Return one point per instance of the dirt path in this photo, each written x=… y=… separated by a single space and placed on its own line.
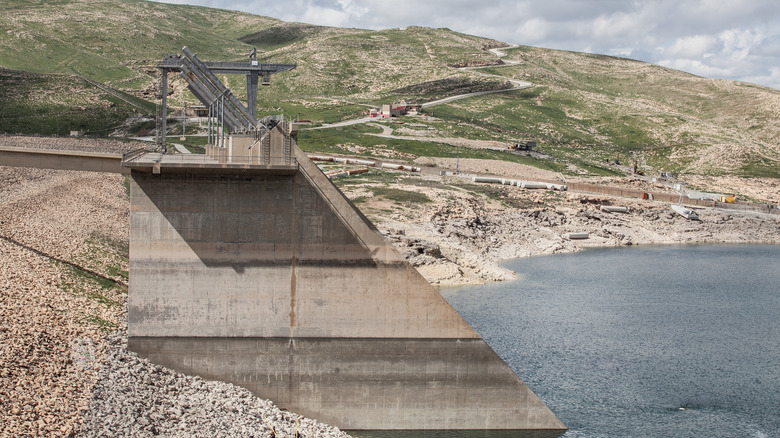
x=500 y=53
x=518 y=85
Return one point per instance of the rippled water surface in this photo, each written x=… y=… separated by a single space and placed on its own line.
x=657 y=341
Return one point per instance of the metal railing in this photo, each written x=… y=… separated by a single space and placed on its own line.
x=216 y=159
x=132 y=155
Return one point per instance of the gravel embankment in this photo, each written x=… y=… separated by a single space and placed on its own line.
x=50 y=306
x=136 y=398
x=100 y=145
x=63 y=286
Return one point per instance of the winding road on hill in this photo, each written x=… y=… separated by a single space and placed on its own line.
x=518 y=85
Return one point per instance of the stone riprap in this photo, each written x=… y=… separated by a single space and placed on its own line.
x=60 y=231
x=136 y=398
x=94 y=145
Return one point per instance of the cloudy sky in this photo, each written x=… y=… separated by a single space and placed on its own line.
x=728 y=39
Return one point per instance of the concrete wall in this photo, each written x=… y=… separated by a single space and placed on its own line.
x=62 y=160
x=227 y=250
x=359 y=383
x=277 y=283
x=238 y=148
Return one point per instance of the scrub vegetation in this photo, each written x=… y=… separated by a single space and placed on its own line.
x=583 y=110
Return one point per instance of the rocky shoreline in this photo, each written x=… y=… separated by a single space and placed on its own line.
x=462 y=236
x=456 y=249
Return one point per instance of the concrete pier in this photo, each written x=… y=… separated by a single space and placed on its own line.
x=269 y=278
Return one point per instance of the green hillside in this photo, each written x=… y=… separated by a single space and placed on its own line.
x=35 y=103
x=584 y=110
x=107 y=40
x=601 y=108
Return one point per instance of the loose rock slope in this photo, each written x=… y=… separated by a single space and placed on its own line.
x=137 y=398
x=64 y=366
x=53 y=309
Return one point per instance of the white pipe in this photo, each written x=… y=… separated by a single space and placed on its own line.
x=485 y=179
x=614 y=208
x=363 y=162
x=400 y=167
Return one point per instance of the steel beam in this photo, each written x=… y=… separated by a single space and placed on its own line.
x=163 y=110
x=206 y=95
x=194 y=75
x=228 y=96
x=251 y=92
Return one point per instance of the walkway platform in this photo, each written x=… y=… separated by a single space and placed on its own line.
x=156 y=163
x=61 y=160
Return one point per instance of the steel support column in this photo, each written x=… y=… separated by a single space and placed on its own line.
x=251 y=92
x=163 y=110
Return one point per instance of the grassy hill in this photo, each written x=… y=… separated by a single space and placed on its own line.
x=107 y=39
x=583 y=109
x=601 y=108
x=35 y=103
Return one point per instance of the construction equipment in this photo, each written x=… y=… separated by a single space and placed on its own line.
x=524 y=145
x=637 y=171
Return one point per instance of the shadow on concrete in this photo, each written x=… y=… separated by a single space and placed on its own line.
x=245 y=221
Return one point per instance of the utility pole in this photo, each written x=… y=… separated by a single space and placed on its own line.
x=184 y=121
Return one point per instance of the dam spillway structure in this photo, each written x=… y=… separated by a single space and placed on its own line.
x=247 y=265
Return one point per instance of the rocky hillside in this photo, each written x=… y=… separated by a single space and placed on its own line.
x=58 y=104
x=603 y=108
x=584 y=110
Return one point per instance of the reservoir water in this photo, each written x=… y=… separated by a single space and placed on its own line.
x=658 y=341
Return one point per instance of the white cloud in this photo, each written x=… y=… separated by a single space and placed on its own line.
x=535 y=29
x=691 y=46
x=738 y=43
x=769 y=47
x=771 y=79
x=618 y=51
x=696 y=67
x=738 y=39
x=613 y=26
x=326 y=16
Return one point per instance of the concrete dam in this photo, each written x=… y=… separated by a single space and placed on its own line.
x=266 y=276
x=247 y=265
x=258 y=271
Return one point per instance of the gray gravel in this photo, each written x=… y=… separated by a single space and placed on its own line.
x=101 y=145
x=59 y=376
x=136 y=398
